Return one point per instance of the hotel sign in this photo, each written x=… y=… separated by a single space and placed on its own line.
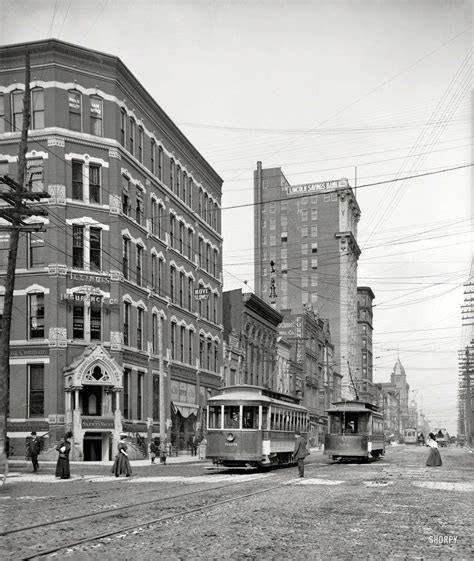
x=322 y=186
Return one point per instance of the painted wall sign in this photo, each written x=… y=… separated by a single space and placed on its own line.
x=201 y=293
x=97 y=423
x=322 y=186
x=28 y=351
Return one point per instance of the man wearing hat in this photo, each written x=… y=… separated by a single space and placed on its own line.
x=300 y=452
x=33 y=448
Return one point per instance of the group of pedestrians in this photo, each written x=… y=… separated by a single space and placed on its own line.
x=34 y=446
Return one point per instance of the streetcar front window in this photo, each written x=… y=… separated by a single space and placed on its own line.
x=249 y=417
x=231 y=416
x=215 y=416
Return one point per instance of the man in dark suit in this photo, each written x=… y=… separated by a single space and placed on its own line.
x=300 y=452
x=33 y=449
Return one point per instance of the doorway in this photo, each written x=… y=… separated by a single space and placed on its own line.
x=92 y=447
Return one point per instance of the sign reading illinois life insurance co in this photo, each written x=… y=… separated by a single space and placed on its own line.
x=322 y=186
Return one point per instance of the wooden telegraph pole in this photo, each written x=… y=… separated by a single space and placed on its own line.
x=17 y=197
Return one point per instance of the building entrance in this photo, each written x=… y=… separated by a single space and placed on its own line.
x=92 y=447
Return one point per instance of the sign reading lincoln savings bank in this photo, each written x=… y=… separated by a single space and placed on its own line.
x=322 y=186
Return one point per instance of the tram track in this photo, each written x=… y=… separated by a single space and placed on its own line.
x=140 y=524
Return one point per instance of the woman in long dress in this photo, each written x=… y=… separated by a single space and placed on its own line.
x=64 y=448
x=122 y=464
x=434 y=459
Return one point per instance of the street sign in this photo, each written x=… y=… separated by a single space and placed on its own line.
x=201 y=293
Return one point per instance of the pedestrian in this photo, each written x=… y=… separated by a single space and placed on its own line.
x=33 y=448
x=153 y=451
x=194 y=445
x=300 y=452
x=122 y=463
x=434 y=459
x=163 y=452
x=64 y=448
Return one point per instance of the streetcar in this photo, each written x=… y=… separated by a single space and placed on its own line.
x=250 y=427
x=410 y=436
x=355 y=431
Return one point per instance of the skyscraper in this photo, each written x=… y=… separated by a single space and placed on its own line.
x=306 y=255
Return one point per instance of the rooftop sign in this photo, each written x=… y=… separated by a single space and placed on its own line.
x=322 y=186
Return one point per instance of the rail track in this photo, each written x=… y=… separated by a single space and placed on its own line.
x=134 y=508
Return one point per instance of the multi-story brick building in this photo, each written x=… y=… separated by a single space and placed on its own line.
x=309 y=232
x=363 y=375
x=133 y=230
x=251 y=333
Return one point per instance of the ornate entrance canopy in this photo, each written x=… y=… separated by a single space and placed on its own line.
x=95 y=367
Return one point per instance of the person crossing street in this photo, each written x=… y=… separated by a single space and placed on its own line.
x=300 y=452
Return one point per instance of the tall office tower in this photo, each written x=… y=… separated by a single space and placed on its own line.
x=306 y=255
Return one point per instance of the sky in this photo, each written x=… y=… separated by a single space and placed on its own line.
x=368 y=89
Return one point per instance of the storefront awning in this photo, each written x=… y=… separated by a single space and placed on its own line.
x=186 y=409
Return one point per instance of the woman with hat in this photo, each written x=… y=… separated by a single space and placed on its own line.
x=434 y=459
x=64 y=447
x=122 y=463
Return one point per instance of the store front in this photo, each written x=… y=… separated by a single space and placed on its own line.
x=184 y=414
x=93 y=385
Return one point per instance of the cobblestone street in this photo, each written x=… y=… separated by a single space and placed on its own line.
x=395 y=508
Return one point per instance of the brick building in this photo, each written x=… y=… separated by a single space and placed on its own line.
x=363 y=375
x=309 y=232
x=133 y=230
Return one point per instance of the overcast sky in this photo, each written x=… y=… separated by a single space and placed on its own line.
x=318 y=88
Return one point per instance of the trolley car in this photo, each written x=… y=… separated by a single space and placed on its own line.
x=410 y=436
x=249 y=426
x=355 y=431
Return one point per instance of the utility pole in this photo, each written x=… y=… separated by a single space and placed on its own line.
x=17 y=197
x=468 y=413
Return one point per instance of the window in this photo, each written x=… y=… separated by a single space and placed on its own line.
x=123 y=127
x=304 y=215
x=201 y=252
x=126 y=322
x=131 y=136
x=139 y=264
x=96 y=106
x=154 y=333
x=334 y=196
x=284 y=222
x=139 y=207
x=190 y=193
x=153 y=271
x=304 y=264
x=78 y=247
x=160 y=276
x=314 y=262
x=190 y=347
x=77 y=181
x=181 y=343
x=181 y=238
x=216 y=258
x=209 y=354
x=153 y=157
x=201 y=349
x=36 y=309
x=272 y=239
x=249 y=417
x=181 y=289
x=216 y=358
x=314 y=247
x=125 y=256
x=156 y=397
x=35 y=174
x=314 y=231
x=171 y=175
x=160 y=163
x=215 y=308
x=75 y=110
x=304 y=232
x=178 y=181
x=126 y=393
x=200 y=202
x=314 y=214
x=95 y=249
x=173 y=340
x=314 y=199
x=2 y=113
x=2 y=307
x=231 y=417
x=126 y=207
x=35 y=250
x=140 y=313
x=327 y=197
x=36 y=390
x=37 y=108
x=190 y=294
x=96 y=318
x=78 y=316
x=184 y=186
x=94 y=184
x=272 y=223
x=140 y=380
x=172 y=283
x=215 y=416
x=17 y=110
x=172 y=227
x=140 y=144
x=190 y=244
